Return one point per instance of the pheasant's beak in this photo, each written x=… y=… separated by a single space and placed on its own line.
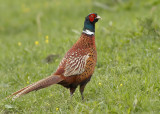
x=98 y=17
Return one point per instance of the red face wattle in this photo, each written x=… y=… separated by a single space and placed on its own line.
x=92 y=17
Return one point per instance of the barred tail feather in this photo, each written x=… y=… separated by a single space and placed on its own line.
x=54 y=79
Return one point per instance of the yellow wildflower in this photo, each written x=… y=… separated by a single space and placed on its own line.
x=57 y=109
x=36 y=43
x=19 y=43
x=46 y=41
x=121 y=85
x=27 y=82
x=46 y=37
x=99 y=84
x=26 y=10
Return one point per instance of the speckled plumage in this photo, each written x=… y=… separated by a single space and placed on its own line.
x=77 y=66
x=82 y=56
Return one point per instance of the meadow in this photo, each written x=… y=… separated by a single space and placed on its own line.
x=127 y=75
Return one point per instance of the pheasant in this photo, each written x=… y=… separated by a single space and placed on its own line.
x=77 y=66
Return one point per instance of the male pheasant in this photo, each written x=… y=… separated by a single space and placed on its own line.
x=77 y=66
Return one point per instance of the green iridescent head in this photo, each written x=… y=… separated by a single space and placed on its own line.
x=90 y=21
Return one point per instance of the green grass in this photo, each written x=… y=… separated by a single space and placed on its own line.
x=127 y=74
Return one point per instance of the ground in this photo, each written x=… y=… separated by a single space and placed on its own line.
x=126 y=77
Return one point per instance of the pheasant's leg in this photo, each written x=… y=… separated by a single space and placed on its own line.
x=72 y=90
x=82 y=89
x=82 y=86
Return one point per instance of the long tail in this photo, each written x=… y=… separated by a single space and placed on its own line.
x=54 y=79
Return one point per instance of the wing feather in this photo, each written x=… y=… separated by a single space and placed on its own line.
x=75 y=65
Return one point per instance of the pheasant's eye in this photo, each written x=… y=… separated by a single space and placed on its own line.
x=91 y=17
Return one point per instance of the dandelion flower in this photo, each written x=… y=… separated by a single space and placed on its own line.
x=121 y=85
x=99 y=84
x=36 y=43
x=46 y=37
x=46 y=41
x=19 y=43
x=57 y=109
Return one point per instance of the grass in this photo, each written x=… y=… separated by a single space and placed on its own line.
x=127 y=75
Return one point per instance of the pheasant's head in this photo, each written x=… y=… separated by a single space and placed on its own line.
x=93 y=17
x=90 y=21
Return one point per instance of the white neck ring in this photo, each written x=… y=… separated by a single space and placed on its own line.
x=88 y=32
